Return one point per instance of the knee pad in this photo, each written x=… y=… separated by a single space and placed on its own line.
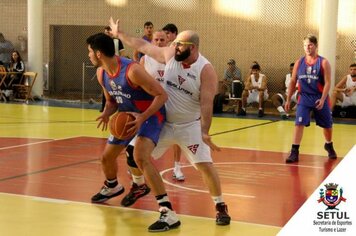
x=130 y=157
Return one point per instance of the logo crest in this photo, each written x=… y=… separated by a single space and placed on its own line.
x=113 y=85
x=160 y=72
x=193 y=148
x=180 y=80
x=332 y=196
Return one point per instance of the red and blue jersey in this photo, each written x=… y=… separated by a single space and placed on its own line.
x=128 y=97
x=310 y=80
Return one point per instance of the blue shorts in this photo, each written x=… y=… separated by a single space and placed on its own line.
x=151 y=129
x=323 y=117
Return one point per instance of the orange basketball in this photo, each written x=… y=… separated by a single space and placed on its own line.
x=119 y=127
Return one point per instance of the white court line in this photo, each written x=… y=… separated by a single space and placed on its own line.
x=35 y=143
x=230 y=163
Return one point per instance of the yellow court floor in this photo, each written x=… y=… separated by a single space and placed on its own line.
x=31 y=194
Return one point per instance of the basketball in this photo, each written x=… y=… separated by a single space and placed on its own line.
x=118 y=125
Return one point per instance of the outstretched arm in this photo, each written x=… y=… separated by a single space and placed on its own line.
x=160 y=54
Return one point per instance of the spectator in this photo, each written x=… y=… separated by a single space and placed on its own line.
x=6 y=48
x=279 y=99
x=148 y=33
x=232 y=72
x=345 y=91
x=16 y=65
x=255 y=90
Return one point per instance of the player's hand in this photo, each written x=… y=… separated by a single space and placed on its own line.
x=114 y=25
x=103 y=122
x=207 y=139
x=135 y=124
x=319 y=104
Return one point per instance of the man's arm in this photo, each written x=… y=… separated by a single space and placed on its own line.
x=208 y=89
x=263 y=84
x=139 y=77
x=110 y=105
x=160 y=54
x=341 y=86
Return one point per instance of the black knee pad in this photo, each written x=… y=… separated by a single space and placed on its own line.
x=130 y=157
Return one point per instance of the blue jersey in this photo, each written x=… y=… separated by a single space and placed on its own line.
x=126 y=96
x=311 y=85
x=133 y=99
x=310 y=81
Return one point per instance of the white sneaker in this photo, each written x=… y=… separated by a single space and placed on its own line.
x=178 y=174
x=106 y=193
x=167 y=220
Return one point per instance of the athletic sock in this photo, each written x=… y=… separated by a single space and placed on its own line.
x=139 y=180
x=111 y=183
x=280 y=109
x=217 y=199
x=163 y=200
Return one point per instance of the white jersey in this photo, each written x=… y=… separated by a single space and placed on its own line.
x=257 y=83
x=154 y=68
x=287 y=82
x=182 y=84
x=349 y=82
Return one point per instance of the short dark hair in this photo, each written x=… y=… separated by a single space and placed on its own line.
x=256 y=67
x=148 y=23
x=291 y=64
x=103 y=43
x=353 y=65
x=171 y=28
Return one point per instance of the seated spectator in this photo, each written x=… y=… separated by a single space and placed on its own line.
x=345 y=91
x=255 y=90
x=16 y=65
x=279 y=99
x=232 y=72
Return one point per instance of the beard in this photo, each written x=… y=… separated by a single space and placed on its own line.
x=183 y=55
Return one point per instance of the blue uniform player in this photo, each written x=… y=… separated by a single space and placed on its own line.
x=313 y=73
x=128 y=87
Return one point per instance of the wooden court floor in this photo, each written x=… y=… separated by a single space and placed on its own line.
x=49 y=169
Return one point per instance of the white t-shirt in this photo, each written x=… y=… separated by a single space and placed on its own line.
x=183 y=87
x=154 y=68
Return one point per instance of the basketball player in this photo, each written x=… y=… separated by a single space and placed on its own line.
x=313 y=73
x=279 y=99
x=345 y=91
x=128 y=87
x=191 y=83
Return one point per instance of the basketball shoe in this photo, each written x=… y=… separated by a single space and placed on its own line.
x=293 y=156
x=106 y=193
x=177 y=174
x=135 y=193
x=222 y=216
x=167 y=220
x=330 y=149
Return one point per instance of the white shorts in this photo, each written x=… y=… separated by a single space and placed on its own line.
x=188 y=137
x=293 y=98
x=348 y=101
x=253 y=96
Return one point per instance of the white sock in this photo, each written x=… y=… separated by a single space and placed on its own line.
x=139 y=180
x=176 y=164
x=217 y=199
x=280 y=109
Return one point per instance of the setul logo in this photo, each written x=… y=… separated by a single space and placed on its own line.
x=332 y=196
